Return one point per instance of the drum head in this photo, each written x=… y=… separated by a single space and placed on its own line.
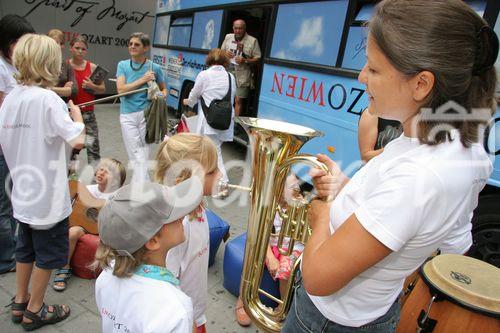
x=466 y=281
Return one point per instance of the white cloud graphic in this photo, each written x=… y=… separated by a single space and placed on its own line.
x=173 y=4
x=310 y=36
x=284 y=54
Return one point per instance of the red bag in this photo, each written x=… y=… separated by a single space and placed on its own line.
x=182 y=127
x=84 y=256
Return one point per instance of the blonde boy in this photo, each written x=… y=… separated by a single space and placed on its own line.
x=36 y=128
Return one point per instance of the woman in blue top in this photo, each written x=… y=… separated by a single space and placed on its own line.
x=131 y=74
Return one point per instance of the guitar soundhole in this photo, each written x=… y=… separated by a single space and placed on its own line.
x=92 y=214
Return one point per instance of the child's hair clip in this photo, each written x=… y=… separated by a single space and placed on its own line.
x=124 y=253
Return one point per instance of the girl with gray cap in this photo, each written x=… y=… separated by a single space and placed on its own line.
x=138 y=226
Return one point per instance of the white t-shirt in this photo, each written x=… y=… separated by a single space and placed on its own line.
x=211 y=84
x=413 y=198
x=94 y=190
x=189 y=262
x=273 y=240
x=7 y=80
x=35 y=127
x=141 y=305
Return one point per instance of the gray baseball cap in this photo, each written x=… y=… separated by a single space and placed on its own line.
x=136 y=212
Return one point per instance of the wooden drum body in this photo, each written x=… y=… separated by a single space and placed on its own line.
x=455 y=294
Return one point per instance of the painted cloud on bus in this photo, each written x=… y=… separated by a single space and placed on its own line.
x=309 y=32
x=173 y=5
x=310 y=36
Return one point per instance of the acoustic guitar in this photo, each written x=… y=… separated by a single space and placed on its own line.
x=85 y=207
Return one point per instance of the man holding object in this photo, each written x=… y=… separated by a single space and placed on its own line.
x=243 y=50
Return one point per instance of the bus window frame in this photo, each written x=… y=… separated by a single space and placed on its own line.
x=172 y=21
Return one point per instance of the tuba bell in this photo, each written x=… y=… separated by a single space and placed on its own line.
x=274 y=147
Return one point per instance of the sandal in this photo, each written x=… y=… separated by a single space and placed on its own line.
x=61 y=276
x=20 y=307
x=241 y=316
x=45 y=317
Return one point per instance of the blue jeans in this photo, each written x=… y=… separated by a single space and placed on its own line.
x=305 y=317
x=7 y=222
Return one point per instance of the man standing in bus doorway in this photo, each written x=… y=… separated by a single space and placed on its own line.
x=243 y=50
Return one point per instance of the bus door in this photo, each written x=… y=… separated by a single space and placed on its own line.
x=257 y=20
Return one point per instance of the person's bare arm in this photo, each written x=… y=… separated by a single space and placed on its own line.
x=76 y=115
x=163 y=88
x=122 y=86
x=367 y=136
x=96 y=88
x=329 y=261
x=272 y=263
x=64 y=91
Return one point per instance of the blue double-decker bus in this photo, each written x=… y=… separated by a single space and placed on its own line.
x=312 y=53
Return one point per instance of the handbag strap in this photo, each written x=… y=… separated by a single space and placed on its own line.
x=204 y=106
x=228 y=95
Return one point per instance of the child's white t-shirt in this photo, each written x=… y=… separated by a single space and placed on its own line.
x=94 y=190
x=273 y=240
x=7 y=80
x=189 y=262
x=141 y=304
x=413 y=198
x=36 y=128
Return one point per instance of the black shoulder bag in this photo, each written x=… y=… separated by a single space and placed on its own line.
x=219 y=112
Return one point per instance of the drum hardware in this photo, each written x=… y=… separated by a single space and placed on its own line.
x=425 y=323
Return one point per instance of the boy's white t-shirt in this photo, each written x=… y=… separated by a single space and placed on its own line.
x=413 y=198
x=94 y=190
x=189 y=262
x=36 y=127
x=141 y=304
x=7 y=80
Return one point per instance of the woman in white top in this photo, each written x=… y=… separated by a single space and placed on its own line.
x=420 y=191
x=211 y=84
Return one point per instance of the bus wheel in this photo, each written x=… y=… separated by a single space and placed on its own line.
x=184 y=109
x=486 y=230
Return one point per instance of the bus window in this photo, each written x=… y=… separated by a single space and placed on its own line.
x=478 y=5
x=180 y=31
x=355 y=49
x=365 y=13
x=162 y=27
x=206 y=29
x=309 y=32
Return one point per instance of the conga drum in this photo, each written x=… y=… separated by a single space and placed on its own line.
x=455 y=294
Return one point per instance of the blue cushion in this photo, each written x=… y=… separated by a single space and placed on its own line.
x=233 y=266
x=218 y=230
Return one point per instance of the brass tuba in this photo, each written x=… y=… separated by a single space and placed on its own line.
x=274 y=147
